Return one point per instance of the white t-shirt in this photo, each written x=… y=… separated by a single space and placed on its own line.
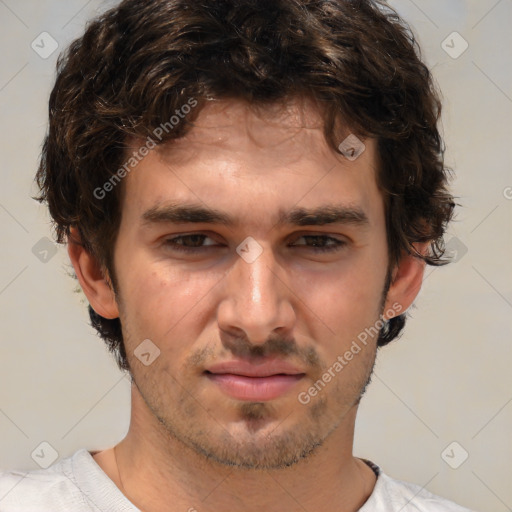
x=78 y=484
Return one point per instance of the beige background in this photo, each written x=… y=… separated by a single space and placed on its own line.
x=448 y=378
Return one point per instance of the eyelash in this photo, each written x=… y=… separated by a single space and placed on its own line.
x=331 y=248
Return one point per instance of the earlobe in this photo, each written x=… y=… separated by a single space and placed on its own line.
x=92 y=279
x=406 y=281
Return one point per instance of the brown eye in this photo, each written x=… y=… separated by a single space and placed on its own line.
x=322 y=243
x=189 y=243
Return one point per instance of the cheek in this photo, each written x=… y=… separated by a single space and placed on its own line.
x=351 y=290
x=161 y=300
x=340 y=306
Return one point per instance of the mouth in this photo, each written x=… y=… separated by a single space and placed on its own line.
x=254 y=382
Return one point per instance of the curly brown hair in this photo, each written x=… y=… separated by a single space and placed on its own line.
x=140 y=62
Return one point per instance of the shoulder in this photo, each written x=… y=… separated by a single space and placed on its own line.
x=53 y=489
x=390 y=495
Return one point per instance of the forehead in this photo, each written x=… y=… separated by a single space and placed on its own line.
x=236 y=153
x=283 y=130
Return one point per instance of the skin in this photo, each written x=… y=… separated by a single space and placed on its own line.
x=189 y=445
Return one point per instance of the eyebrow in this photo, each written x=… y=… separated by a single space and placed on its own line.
x=196 y=213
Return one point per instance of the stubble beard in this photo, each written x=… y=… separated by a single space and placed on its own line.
x=260 y=441
x=259 y=444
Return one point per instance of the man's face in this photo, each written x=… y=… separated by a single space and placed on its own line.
x=242 y=335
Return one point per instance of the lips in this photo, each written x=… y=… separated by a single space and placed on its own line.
x=254 y=382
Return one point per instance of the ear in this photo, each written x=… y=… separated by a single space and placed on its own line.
x=93 y=280
x=406 y=280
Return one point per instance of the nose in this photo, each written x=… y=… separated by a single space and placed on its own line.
x=257 y=302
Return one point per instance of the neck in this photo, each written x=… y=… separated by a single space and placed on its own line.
x=157 y=471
